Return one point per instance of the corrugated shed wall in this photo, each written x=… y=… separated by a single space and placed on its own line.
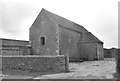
x=7 y=42
x=13 y=47
x=11 y=50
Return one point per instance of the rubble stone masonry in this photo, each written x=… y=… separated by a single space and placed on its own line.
x=54 y=64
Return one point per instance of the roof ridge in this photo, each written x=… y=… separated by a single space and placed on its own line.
x=55 y=15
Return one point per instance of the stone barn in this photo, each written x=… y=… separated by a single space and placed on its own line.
x=51 y=34
x=16 y=56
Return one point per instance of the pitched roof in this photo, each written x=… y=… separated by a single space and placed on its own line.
x=62 y=22
x=89 y=37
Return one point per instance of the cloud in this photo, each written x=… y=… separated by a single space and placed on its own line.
x=14 y=15
x=97 y=16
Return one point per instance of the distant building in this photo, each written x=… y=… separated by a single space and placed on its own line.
x=13 y=47
x=110 y=53
x=51 y=34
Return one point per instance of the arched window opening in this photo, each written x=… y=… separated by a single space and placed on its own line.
x=42 y=39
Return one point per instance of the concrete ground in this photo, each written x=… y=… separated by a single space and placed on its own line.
x=103 y=69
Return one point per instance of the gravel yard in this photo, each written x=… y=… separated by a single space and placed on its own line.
x=103 y=69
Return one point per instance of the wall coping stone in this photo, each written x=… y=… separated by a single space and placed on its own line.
x=32 y=56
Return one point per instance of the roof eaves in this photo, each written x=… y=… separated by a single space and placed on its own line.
x=14 y=40
x=95 y=38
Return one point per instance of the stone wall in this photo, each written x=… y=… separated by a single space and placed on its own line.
x=110 y=53
x=50 y=64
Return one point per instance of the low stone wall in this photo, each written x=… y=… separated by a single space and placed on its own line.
x=51 y=64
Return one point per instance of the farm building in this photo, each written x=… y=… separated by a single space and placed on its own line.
x=110 y=53
x=51 y=34
x=14 y=47
x=17 y=55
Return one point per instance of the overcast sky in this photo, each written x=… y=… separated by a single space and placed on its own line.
x=98 y=16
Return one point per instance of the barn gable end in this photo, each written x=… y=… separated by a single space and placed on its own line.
x=43 y=35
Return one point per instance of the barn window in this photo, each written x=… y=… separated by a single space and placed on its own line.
x=42 y=40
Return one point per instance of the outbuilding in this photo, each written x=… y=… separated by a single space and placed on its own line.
x=110 y=53
x=14 y=47
x=51 y=34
